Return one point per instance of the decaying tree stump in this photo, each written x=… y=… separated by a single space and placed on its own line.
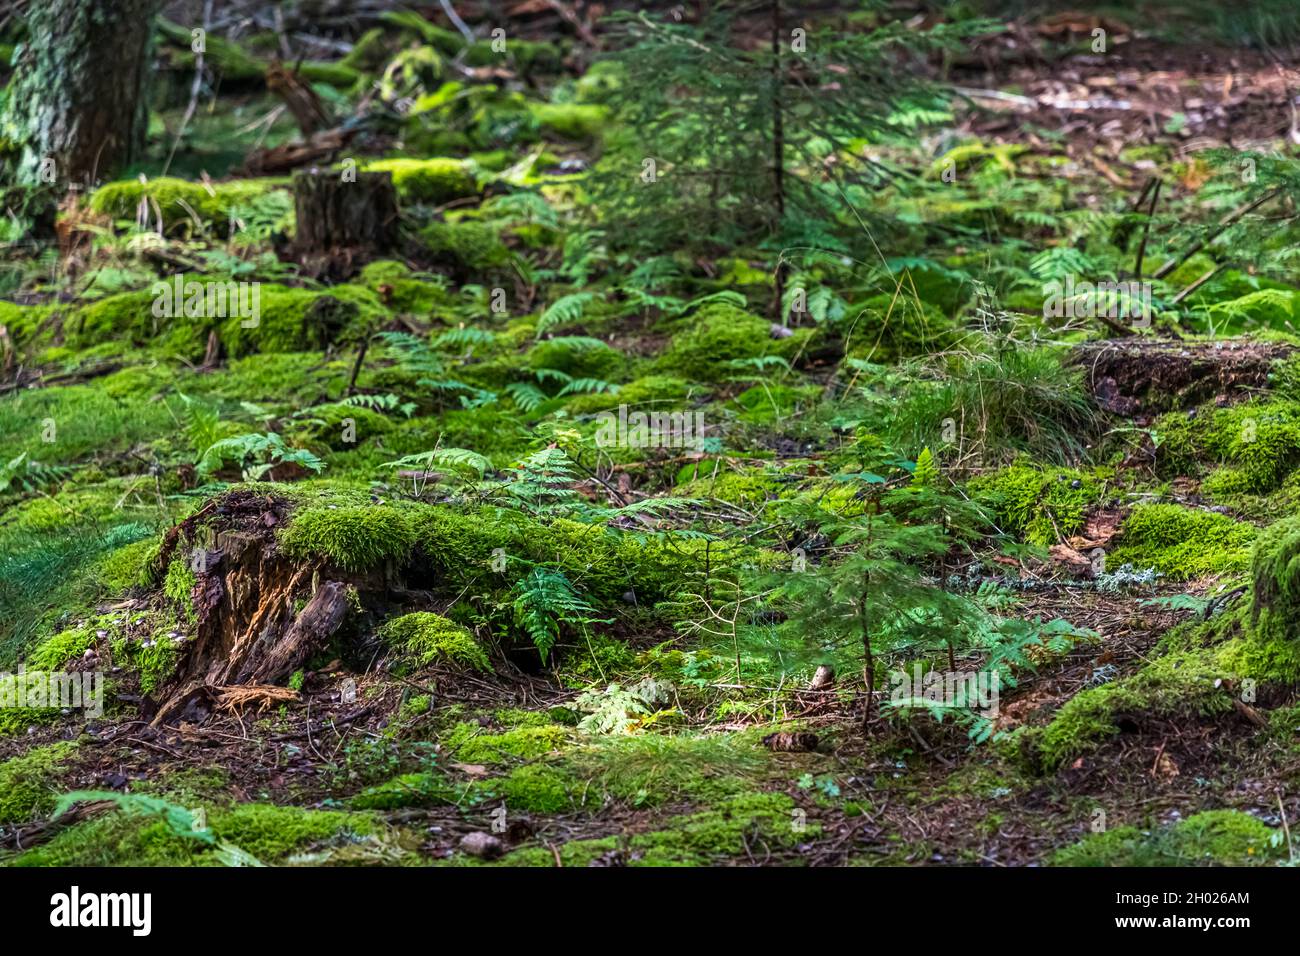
x=345 y=218
x=248 y=631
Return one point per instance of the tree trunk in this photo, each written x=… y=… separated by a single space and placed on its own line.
x=78 y=103
x=344 y=218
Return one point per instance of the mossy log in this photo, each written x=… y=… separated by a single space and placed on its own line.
x=1138 y=376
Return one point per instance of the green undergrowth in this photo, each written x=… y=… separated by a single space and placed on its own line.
x=29 y=783
x=733 y=830
x=1182 y=543
x=1211 y=838
x=177 y=201
x=1251 y=448
x=426 y=638
x=1248 y=647
x=1042 y=505
x=269 y=834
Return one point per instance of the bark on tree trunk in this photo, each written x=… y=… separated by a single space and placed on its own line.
x=78 y=102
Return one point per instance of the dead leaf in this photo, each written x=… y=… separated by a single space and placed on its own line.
x=473 y=769
x=1165 y=767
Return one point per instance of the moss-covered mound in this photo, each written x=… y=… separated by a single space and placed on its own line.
x=433 y=181
x=1184 y=544
x=1212 y=838
x=176 y=201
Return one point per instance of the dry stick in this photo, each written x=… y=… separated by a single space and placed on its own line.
x=1286 y=828
x=778 y=152
x=195 y=89
x=1199 y=282
x=356 y=366
x=1120 y=330
x=1224 y=223
x=1146 y=190
x=582 y=29
x=1146 y=229
x=456 y=21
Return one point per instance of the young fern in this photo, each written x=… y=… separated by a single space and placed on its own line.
x=545 y=602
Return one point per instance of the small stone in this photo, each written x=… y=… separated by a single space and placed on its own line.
x=482 y=845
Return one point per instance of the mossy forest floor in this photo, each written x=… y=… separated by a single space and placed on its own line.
x=552 y=650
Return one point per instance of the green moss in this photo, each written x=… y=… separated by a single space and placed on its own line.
x=405 y=291
x=578 y=356
x=239 y=68
x=718 y=335
x=429 y=638
x=287 y=320
x=651 y=393
x=1183 y=543
x=469 y=245
x=126 y=566
x=188 y=786
x=154 y=659
x=1256 y=444
x=471 y=745
x=343 y=427
x=407 y=790
x=650 y=769
x=56 y=650
x=1177 y=683
x=1214 y=838
x=1258 y=639
x=747 y=488
x=114 y=839
x=18 y=720
x=529 y=55
x=269 y=833
x=179 y=583
x=28 y=784
x=354 y=538
x=537 y=788
x=599 y=658
x=178 y=201
x=409 y=24
x=578 y=122
x=605 y=563
x=885 y=328
x=1041 y=504
x=769 y=404
x=707 y=838
x=128 y=315
x=291 y=320
x=434 y=181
